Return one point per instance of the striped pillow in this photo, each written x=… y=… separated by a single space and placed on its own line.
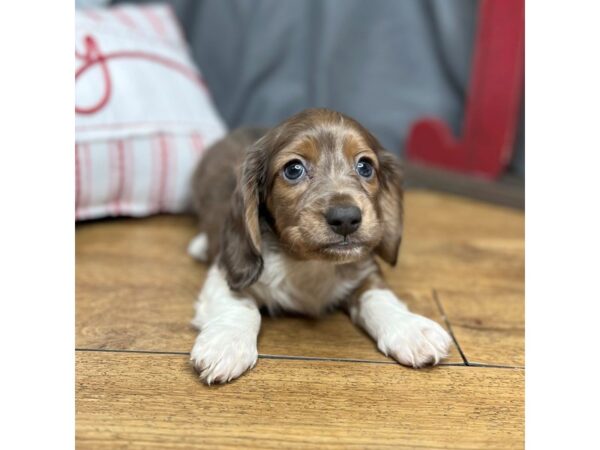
x=143 y=114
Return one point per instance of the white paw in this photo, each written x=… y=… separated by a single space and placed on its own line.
x=223 y=354
x=414 y=340
x=198 y=247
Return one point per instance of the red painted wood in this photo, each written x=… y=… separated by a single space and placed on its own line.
x=494 y=97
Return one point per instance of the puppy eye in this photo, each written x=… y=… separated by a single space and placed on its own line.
x=364 y=168
x=294 y=171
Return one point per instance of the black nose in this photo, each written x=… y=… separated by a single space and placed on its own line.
x=343 y=220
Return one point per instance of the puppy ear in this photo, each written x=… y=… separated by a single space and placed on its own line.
x=240 y=240
x=390 y=206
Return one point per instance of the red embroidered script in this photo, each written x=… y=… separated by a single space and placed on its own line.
x=93 y=57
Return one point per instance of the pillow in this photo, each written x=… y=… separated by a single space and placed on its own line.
x=143 y=115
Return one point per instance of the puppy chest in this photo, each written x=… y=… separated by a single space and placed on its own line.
x=307 y=287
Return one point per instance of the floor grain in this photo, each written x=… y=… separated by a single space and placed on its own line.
x=489 y=324
x=156 y=401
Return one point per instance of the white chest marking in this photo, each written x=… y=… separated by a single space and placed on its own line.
x=308 y=287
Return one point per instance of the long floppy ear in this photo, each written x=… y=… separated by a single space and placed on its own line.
x=390 y=206
x=240 y=240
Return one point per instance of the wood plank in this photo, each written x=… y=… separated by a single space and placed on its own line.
x=156 y=401
x=489 y=325
x=456 y=243
x=135 y=284
x=136 y=287
x=449 y=217
x=471 y=264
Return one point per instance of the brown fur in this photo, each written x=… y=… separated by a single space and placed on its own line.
x=240 y=194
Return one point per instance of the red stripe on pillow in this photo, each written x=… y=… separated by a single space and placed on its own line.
x=86 y=201
x=77 y=182
x=154 y=183
x=90 y=13
x=129 y=175
x=122 y=16
x=155 y=21
x=197 y=143
x=164 y=171
x=172 y=191
x=120 y=156
x=111 y=148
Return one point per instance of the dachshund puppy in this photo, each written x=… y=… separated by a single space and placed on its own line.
x=291 y=219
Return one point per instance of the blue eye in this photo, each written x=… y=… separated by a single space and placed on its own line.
x=364 y=168
x=294 y=171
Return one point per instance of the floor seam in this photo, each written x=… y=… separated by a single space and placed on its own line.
x=350 y=360
x=492 y=329
x=120 y=350
x=447 y=321
x=297 y=358
x=495 y=366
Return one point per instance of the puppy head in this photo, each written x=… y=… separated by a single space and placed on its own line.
x=327 y=189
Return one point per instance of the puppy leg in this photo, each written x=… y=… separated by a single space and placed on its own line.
x=409 y=338
x=229 y=324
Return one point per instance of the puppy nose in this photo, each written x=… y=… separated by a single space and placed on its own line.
x=343 y=220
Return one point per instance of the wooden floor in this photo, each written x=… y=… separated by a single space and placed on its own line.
x=317 y=383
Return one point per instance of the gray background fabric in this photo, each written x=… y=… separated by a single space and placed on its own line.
x=383 y=62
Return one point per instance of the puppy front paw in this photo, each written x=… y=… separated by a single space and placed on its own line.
x=414 y=340
x=221 y=355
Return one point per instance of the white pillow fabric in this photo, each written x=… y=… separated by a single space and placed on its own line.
x=143 y=114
